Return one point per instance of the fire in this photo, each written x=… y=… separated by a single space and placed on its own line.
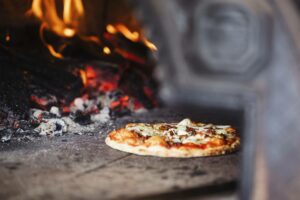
x=150 y=45
x=88 y=76
x=94 y=79
x=73 y=11
x=106 y=50
x=83 y=77
x=121 y=102
x=7 y=37
x=69 y=22
x=67 y=26
x=49 y=46
x=131 y=35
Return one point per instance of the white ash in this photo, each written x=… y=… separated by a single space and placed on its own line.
x=22 y=131
x=141 y=110
x=103 y=116
x=84 y=105
x=52 y=123
x=52 y=127
x=75 y=128
x=6 y=138
x=25 y=138
x=36 y=113
x=105 y=100
x=55 y=111
x=6 y=135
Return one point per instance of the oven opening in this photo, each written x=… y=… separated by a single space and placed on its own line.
x=72 y=72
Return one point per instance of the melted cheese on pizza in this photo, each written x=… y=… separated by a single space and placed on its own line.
x=184 y=132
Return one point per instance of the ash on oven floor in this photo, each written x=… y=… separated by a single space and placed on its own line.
x=83 y=167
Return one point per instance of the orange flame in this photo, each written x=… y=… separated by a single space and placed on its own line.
x=106 y=50
x=88 y=76
x=83 y=77
x=51 y=49
x=68 y=23
x=131 y=35
x=46 y=11
x=67 y=26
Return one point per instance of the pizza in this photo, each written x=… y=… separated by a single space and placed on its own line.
x=183 y=139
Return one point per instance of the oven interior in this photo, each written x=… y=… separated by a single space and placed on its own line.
x=72 y=71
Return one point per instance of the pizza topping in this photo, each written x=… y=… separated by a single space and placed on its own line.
x=185 y=122
x=156 y=141
x=184 y=132
x=143 y=129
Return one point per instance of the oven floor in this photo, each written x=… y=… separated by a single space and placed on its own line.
x=83 y=167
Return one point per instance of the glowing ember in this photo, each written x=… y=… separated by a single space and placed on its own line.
x=39 y=101
x=108 y=86
x=111 y=29
x=102 y=87
x=69 y=32
x=106 y=50
x=130 y=56
x=7 y=37
x=44 y=101
x=83 y=77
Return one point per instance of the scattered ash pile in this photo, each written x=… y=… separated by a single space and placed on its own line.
x=108 y=92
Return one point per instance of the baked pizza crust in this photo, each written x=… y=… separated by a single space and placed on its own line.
x=163 y=151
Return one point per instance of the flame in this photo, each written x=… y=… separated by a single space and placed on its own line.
x=51 y=49
x=46 y=11
x=73 y=11
x=67 y=26
x=111 y=29
x=88 y=76
x=7 y=37
x=106 y=50
x=131 y=35
x=68 y=23
x=92 y=78
x=150 y=45
x=121 y=102
x=83 y=77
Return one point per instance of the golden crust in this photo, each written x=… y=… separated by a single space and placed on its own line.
x=131 y=142
x=181 y=152
x=125 y=136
